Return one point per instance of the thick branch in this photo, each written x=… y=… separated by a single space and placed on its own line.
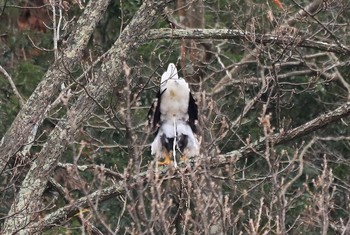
x=312 y=8
x=83 y=168
x=64 y=213
x=311 y=126
x=315 y=124
x=165 y=33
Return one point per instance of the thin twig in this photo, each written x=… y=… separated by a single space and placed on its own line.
x=13 y=86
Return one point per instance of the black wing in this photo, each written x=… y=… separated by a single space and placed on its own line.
x=154 y=112
x=192 y=113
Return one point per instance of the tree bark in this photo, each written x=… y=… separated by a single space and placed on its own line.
x=37 y=106
x=290 y=40
x=61 y=215
x=25 y=207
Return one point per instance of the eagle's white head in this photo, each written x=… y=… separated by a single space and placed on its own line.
x=171 y=73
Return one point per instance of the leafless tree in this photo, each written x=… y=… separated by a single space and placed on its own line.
x=271 y=162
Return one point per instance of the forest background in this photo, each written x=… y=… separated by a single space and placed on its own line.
x=271 y=80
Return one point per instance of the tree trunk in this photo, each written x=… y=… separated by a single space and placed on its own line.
x=26 y=205
x=38 y=105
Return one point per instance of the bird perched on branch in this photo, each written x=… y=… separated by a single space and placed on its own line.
x=173 y=116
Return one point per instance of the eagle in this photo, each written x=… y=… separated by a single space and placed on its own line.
x=173 y=116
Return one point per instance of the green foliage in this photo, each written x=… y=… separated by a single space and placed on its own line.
x=9 y=105
x=27 y=75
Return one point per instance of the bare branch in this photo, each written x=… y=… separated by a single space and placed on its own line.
x=311 y=8
x=83 y=168
x=311 y=126
x=13 y=86
x=265 y=39
x=66 y=212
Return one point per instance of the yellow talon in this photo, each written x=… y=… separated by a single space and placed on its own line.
x=183 y=158
x=167 y=159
